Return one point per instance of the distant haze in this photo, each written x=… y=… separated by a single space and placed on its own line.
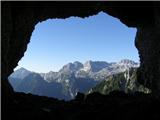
x=75 y=77
x=56 y=42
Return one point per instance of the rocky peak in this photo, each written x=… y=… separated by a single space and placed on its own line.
x=20 y=73
x=95 y=66
x=72 y=67
x=127 y=62
x=78 y=65
x=50 y=76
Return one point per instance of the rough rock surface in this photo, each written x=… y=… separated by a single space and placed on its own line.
x=19 y=19
x=115 y=106
x=148 y=44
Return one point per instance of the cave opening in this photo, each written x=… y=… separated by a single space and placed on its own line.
x=67 y=56
x=18 y=22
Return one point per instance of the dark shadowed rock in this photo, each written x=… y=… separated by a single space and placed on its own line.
x=79 y=97
x=18 y=22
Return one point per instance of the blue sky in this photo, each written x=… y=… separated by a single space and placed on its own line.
x=56 y=42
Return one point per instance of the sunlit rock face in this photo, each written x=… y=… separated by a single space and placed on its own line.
x=18 y=21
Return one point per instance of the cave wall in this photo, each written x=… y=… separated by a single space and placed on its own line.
x=148 y=44
x=20 y=18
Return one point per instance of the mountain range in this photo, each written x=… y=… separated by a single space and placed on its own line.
x=70 y=79
x=124 y=81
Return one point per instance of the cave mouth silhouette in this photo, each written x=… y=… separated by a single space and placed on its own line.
x=41 y=45
x=18 y=22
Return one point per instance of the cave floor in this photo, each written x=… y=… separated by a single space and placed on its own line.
x=94 y=107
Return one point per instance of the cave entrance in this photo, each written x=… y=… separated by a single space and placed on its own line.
x=62 y=49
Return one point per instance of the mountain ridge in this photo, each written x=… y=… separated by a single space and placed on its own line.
x=71 y=78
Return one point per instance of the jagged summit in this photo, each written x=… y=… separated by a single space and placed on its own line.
x=20 y=73
x=95 y=66
x=71 y=78
x=127 y=61
x=22 y=69
x=72 y=67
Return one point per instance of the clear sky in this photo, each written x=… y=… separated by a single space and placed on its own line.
x=56 y=42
